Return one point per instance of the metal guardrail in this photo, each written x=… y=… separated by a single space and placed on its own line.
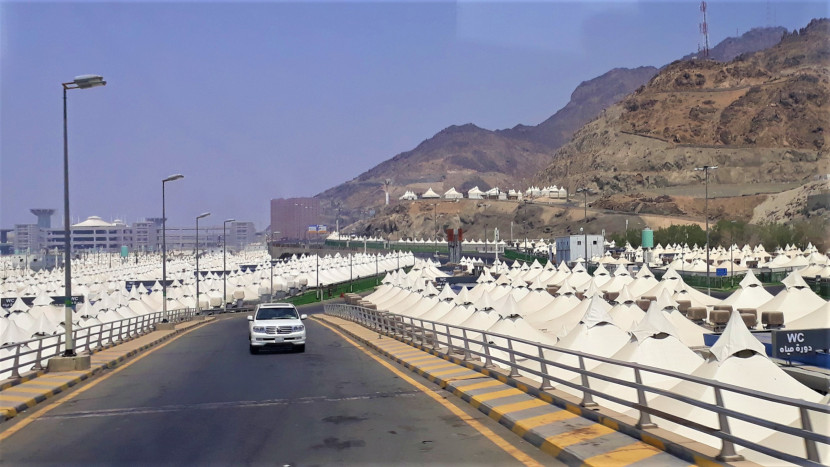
x=32 y=354
x=477 y=344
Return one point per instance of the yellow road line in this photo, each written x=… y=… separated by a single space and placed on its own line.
x=478 y=426
x=625 y=455
x=39 y=413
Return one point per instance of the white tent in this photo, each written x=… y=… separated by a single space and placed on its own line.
x=452 y=194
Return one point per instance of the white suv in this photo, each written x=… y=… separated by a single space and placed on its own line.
x=276 y=324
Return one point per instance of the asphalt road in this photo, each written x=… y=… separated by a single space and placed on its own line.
x=203 y=399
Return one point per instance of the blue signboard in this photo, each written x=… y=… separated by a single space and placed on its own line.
x=720 y=272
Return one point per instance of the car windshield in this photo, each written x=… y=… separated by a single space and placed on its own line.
x=276 y=313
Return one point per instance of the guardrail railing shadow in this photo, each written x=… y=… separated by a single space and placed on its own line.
x=520 y=357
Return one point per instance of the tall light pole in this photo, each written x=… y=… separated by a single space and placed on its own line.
x=80 y=82
x=224 y=267
x=164 y=246
x=706 y=169
x=585 y=191
x=201 y=216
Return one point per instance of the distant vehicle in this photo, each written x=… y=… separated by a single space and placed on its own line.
x=276 y=324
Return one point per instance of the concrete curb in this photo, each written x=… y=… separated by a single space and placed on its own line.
x=15 y=397
x=569 y=454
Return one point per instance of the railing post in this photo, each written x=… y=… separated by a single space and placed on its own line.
x=467 y=355
x=809 y=444
x=587 y=397
x=514 y=368
x=38 y=366
x=15 y=367
x=546 y=385
x=645 y=418
x=488 y=362
x=434 y=337
x=88 y=339
x=100 y=337
x=727 y=451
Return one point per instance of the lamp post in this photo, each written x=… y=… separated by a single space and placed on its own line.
x=201 y=216
x=585 y=191
x=224 y=267
x=164 y=247
x=731 y=254
x=706 y=169
x=80 y=82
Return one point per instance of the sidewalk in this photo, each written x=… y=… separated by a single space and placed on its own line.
x=549 y=420
x=35 y=387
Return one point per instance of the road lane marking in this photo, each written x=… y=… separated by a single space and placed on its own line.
x=23 y=423
x=226 y=405
x=475 y=424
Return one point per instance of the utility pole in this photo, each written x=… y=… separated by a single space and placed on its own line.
x=705 y=169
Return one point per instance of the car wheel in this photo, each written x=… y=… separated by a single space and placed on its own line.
x=253 y=350
x=299 y=348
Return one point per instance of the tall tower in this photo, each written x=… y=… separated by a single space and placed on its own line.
x=704 y=31
x=44 y=217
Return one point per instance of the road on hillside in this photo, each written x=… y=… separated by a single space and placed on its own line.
x=203 y=399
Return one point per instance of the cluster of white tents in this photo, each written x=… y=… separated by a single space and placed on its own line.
x=577 y=317
x=106 y=297
x=493 y=193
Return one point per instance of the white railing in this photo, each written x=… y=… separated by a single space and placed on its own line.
x=20 y=357
x=521 y=356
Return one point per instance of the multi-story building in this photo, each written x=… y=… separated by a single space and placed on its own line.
x=97 y=234
x=291 y=217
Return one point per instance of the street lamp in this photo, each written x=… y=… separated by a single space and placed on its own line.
x=201 y=216
x=706 y=169
x=80 y=82
x=224 y=267
x=164 y=246
x=585 y=219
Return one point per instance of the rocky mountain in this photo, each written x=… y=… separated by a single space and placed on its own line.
x=466 y=156
x=760 y=117
x=751 y=41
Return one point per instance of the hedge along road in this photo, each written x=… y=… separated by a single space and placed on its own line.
x=203 y=398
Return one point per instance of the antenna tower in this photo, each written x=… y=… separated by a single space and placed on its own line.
x=704 y=30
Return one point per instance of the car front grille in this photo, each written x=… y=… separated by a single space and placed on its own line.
x=273 y=330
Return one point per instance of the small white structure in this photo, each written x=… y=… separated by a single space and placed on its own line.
x=475 y=193
x=452 y=194
x=430 y=194
x=408 y=196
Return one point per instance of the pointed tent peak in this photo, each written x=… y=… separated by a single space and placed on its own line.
x=625 y=295
x=579 y=268
x=42 y=299
x=566 y=288
x=750 y=280
x=484 y=303
x=592 y=290
x=537 y=284
x=510 y=307
x=671 y=274
x=736 y=338
x=654 y=323
x=563 y=267
x=503 y=279
x=463 y=297
x=644 y=272
x=597 y=312
x=621 y=271
x=549 y=266
x=18 y=305
x=446 y=293
x=601 y=271
x=794 y=280
x=665 y=300
x=430 y=290
x=536 y=264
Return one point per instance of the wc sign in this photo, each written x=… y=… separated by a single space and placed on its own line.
x=799 y=342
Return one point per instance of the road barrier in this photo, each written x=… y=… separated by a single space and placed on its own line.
x=32 y=355
x=523 y=357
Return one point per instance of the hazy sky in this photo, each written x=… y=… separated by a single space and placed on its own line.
x=259 y=100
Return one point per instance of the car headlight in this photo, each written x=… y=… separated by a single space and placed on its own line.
x=259 y=328
x=298 y=328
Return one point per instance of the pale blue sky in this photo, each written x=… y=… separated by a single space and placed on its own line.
x=254 y=101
